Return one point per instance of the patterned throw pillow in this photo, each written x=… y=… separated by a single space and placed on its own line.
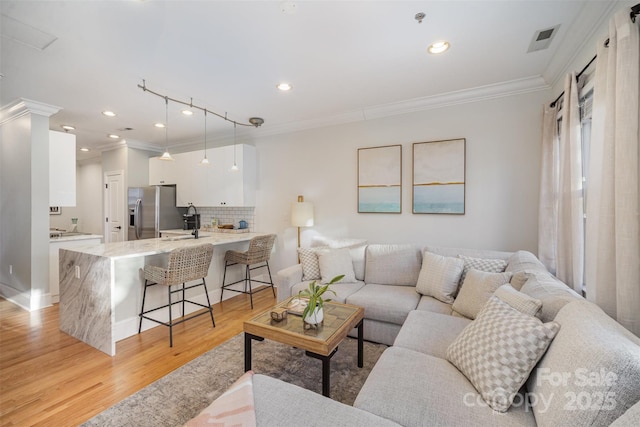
x=309 y=262
x=489 y=265
x=521 y=302
x=498 y=351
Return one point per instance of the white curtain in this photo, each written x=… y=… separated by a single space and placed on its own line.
x=613 y=222
x=548 y=211
x=561 y=219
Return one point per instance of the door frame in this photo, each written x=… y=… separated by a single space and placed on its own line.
x=105 y=206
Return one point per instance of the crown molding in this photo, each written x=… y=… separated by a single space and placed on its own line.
x=23 y=106
x=480 y=93
x=131 y=143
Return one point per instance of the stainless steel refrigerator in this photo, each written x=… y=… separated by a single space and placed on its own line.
x=152 y=209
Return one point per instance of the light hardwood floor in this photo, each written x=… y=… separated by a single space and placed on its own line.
x=48 y=378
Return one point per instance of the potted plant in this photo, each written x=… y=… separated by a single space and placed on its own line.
x=313 y=313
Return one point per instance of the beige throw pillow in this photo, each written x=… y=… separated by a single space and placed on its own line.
x=439 y=276
x=521 y=302
x=476 y=290
x=498 y=351
x=489 y=265
x=336 y=262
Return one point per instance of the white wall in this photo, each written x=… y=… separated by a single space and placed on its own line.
x=24 y=196
x=502 y=178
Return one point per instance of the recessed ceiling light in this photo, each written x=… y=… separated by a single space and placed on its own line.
x=284 y=86
x=109 y=113
x=439 y=46
x=85 y=149
x=159 y=125
x=68 y=127
x=112 y=136
x=187 y=112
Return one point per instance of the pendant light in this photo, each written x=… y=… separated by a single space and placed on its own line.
x=166 y=155
x=205 y=161
x=235 y=165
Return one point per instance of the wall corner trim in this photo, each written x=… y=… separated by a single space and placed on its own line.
x=22 y=106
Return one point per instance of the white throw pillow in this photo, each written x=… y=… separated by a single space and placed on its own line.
x=336 y=262
x=476 y=290
x=309 y=262
x=516 y=299
x=439 y=276
x=498 y=351
x=490 y=265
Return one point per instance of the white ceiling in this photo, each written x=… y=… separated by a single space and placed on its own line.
x=346 y=60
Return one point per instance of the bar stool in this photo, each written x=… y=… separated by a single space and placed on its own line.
x=185 y=264
x=259 y=252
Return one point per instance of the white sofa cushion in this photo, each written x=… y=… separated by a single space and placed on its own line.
x=499 y=349
x=430 y=333
x=428 y=303
x=521 y=302
x=523 y=264
x=553 y=293
x=439 y=276
x=356 y=248
x=476 y=290
x=392 y=265
x=416 y=389
x=336 y=262
x=386 y=303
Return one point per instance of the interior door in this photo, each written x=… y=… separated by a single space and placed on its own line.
x=114 y=199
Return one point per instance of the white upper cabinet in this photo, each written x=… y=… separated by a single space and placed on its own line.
x=214 y=185
x=162 y=172
x=62 y=169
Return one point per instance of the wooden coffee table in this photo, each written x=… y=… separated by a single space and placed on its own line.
x=321 y=343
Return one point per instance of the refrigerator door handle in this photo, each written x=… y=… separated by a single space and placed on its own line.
x=136 y=218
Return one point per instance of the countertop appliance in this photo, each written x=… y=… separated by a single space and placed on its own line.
x=152 y=209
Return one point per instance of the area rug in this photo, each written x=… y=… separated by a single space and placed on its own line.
x=183 y=393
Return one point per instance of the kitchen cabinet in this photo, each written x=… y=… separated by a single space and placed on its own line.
x=216 y=184
x=62 y=169
x=162 y=172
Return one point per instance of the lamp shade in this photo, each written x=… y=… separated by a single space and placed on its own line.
x=302 y=214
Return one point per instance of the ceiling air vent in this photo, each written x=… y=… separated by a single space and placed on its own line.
x=542 y=38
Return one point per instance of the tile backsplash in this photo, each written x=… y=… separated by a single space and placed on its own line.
x=227 y=215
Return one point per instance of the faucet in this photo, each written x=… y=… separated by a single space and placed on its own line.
x=197 y=225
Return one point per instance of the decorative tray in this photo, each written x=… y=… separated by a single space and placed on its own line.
x=297 y=305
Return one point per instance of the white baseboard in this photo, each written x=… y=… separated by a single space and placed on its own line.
x=24 y=299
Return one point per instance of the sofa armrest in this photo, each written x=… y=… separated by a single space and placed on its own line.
x=286 y=278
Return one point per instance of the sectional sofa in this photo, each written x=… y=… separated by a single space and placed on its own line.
x=477 y=337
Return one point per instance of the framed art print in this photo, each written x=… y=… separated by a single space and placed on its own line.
x=439 y=177
x=380 y=179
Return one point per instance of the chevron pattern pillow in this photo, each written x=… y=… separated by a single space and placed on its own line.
x=498 y=351
x=309 y=262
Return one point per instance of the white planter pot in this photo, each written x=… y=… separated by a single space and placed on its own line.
x=316 y=317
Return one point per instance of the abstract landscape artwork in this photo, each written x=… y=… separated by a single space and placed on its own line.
x=439 y=177
x=380 y=179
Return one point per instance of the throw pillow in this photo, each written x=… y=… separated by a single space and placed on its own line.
x=489 y=265
x=336 y=262
x=309 y=262
x=439 y=276
x=516 y=299
x=476 y=290
x=498 y=351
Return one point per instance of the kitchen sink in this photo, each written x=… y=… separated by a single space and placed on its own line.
x=53 y=234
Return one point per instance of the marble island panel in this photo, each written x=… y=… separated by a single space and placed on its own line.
x=101 y=285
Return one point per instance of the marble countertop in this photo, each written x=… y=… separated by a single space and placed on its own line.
x=136 y=248
x=74 y=238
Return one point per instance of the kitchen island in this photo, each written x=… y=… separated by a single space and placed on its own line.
x=101 y=285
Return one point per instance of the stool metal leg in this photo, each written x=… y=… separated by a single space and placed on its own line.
x=204 y=283
x=224 y=277
x=248 y=274
x=144 y=296
x=170 y=321
x=271 y=280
